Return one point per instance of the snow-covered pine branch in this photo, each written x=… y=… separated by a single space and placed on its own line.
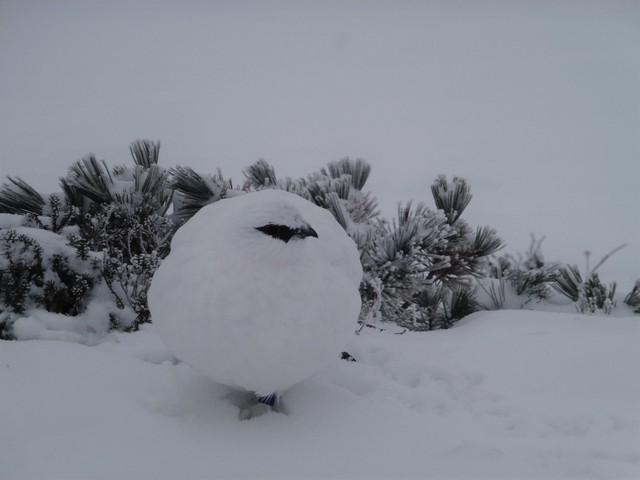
x=19 y=197
x=193 y=191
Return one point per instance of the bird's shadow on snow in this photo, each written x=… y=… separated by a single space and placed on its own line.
x=175 y=390
x=180 y=392
x=184 y=394
x=377 y=379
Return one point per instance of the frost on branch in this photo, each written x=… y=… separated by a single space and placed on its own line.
x=590 y=295
x=19 y=197
x=421 y=252
x=141 y=190
x=633 y=297
x=529 y=275
x=193 y=191
x=39 y=270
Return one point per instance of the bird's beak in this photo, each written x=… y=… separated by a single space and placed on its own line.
x=306 y=232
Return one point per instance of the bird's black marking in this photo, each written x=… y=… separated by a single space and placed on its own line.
x=285 y=233
x=270 y=400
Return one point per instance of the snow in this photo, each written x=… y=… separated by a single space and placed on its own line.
x=507 y=394
x=8 y=220
x=89 y=327
x=251 y=310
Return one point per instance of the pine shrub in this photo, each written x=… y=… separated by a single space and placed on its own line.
x=633 y=297
x=121 y=233
x=532 y=283
x=528 y=274
x=531 y=276
x=33 y=276
x=56 y=215
x=569 y=282
x=589 y=295
x=193 y=191
x=597 y=296
x=130 y=256
x=140 y=190
x=22 y=271
x=18 y=197
x=417 y=269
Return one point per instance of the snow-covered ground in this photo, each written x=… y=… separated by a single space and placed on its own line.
x=506 y=394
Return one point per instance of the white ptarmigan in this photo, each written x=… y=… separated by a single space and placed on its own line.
x=259 y=292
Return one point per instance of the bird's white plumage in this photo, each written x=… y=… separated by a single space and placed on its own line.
x=250 y=310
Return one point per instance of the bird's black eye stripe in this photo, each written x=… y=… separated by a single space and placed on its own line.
x=285 y=233
x=281 y=232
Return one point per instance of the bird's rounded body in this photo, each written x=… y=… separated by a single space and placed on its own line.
x=249 y=307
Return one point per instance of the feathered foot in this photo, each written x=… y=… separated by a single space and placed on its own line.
x=256 y=406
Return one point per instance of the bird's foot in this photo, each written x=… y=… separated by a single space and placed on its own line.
x=256 y=406
x=271 y=400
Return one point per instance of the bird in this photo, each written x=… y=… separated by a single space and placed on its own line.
x=259 y=292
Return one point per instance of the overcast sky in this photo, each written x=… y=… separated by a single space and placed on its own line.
x=536 y=103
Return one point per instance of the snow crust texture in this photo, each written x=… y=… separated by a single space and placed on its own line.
x=251 y=310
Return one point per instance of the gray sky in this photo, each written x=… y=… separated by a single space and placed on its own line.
x=536 y=103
